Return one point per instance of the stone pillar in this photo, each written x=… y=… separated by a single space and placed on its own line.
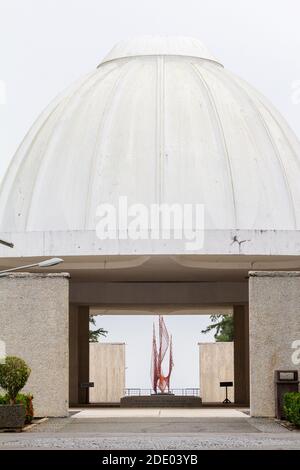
x=34 y=326
x=241 y=354
x=79 y=352
x=73 y=355
x=274 y=305
x=83 y=352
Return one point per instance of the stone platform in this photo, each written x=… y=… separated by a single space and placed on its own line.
x=161 y=400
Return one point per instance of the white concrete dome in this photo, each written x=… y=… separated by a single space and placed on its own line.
x=160 y=120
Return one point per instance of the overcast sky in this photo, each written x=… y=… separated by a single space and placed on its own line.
x=136 y=332
x=47 y=44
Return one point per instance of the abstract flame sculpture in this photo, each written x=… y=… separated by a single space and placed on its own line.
x=159 y=380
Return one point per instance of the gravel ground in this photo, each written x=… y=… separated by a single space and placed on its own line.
x=152 y=442
x=268 y=425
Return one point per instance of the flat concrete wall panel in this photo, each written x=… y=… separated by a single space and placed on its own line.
x=216 y=365
x=107 y=371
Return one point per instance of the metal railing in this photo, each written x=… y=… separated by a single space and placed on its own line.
x=176 y=391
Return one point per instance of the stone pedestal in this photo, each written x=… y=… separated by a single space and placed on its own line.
x=161 y=400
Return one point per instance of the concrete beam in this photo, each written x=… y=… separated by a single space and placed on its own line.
x=159 y=293
x=85 y=242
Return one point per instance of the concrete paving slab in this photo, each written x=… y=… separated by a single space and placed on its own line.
x=155 y=432
x=158 y=413
x=162 y=426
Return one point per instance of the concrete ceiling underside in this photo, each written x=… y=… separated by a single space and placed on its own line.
x=178 y=268
x=161 y=310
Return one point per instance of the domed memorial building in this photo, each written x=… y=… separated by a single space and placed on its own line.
x=168 y=185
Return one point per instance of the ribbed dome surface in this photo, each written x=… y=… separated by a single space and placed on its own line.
x=157 y=121
x=157 y=45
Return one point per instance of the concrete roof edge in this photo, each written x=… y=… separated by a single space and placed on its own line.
x=35 y=275
x=274 y=273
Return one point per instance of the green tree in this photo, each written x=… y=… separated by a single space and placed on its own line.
x=223 y=325
x=95 y=334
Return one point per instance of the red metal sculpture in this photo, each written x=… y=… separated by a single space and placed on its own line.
x=159 y=380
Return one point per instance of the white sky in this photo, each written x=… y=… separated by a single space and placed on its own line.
x=47 y=44
x=136 y=332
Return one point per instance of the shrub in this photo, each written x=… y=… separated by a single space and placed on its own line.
x=14 y=374
x=291 y=406
x=4 y=400
x=24 y=399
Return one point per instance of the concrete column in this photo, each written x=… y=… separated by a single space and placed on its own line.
x=79 y=352
x=34 y=326
x=73 y=356
x=241 y=354
x=83 y=352
x=274 y=303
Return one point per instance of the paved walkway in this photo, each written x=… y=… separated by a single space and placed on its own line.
x=108 y=430
x=157 y=413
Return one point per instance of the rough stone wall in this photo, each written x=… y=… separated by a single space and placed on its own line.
x=34 y=310
x=274 y=320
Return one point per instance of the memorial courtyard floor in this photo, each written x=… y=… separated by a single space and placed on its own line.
x=174 y=429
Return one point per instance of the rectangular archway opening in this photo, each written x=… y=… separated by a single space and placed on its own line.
x=117 y=368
